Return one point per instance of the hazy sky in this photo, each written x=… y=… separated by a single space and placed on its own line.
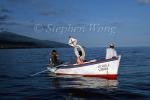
x=127 y=21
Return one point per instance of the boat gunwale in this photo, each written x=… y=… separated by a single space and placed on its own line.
x=89 y=63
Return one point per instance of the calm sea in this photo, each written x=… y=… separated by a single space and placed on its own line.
x=16 y=66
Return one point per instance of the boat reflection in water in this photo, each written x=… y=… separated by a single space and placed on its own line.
x=66 y=81
x=81 y=87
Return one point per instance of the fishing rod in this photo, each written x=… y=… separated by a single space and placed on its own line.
x=47 y=69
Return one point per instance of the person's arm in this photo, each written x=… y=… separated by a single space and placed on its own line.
x=50 y=60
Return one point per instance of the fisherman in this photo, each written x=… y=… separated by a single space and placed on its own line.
x=111 y=52
x=80 y=54
x=54 y=58
x=79 y=58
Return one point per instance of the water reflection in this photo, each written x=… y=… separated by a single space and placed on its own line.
x=66 y=81
x=76 y=87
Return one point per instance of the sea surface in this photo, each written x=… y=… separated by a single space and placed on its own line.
x=16 y=66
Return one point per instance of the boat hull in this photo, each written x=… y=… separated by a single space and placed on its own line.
x=102 y=69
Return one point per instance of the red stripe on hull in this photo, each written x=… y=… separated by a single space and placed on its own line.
x=109 y=76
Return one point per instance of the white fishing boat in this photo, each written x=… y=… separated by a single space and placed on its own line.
x=107 y=68
x=103 y=69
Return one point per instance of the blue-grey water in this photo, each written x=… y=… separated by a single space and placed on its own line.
x=16 y=66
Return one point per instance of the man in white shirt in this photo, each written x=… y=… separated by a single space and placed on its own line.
x=111 y=52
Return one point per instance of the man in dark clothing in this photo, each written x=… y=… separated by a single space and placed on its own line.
x=54 y=61
x=54 y=58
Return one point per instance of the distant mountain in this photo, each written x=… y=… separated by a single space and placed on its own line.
x=12 y=40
